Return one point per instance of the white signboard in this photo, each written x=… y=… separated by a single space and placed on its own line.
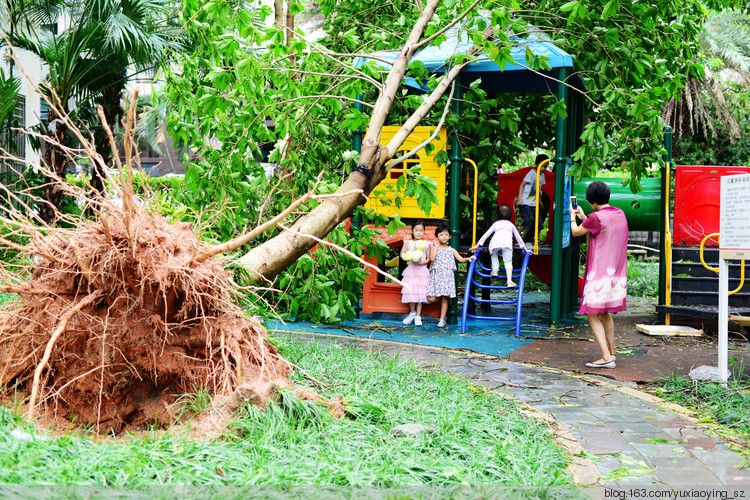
x=734 y=220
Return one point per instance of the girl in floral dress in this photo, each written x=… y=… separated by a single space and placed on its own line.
x=442 y=283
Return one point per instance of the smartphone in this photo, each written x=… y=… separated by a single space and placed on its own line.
x=574 y=202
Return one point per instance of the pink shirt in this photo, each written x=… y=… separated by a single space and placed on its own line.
x=504 y=231
x=605 y=282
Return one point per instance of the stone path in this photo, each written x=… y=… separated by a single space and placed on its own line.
x=624 y=439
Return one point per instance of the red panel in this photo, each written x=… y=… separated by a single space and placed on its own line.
x=697 y=198
x=509 y=184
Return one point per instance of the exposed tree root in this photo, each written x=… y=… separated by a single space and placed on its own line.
x=121 y=322
x=118 y=318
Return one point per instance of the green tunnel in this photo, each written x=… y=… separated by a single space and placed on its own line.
x=642 y=209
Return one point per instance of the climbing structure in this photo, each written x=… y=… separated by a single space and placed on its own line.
x=476 y=272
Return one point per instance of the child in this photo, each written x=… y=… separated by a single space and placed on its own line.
x=416 y=275
x=502 y=242
x=442 y=280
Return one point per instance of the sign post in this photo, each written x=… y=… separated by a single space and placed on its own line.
x=734 y=244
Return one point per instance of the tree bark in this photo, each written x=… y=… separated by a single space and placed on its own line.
x=110 y=101
x=56 y=160
x=272 y=257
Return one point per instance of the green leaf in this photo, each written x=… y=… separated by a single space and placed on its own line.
x=567 y=7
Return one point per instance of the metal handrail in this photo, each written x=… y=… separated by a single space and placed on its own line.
x=703 y=261
x=536 y=205
x=476 y=183
x=716 y=269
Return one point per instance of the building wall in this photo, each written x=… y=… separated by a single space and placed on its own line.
x=30 y=64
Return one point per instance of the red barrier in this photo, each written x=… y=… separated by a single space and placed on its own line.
x=509 y=184
x=697 y=201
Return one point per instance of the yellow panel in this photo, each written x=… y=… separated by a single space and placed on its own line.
x=409 y=207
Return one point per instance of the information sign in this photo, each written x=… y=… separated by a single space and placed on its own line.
x=734 y=219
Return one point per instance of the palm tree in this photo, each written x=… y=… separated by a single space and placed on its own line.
x=702 y=107
x=9 y=88
x=88 y=64
x=135 y=36
x=726 y=35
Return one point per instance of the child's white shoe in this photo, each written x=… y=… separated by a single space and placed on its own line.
x=408 y=320
x=511 y=284
x=418 y=321
x=441 y=323
x=494 y=273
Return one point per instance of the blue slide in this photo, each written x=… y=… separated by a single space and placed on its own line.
x=478 y=271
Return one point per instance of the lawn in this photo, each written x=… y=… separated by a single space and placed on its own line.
x=477 y=438
x=727 y=406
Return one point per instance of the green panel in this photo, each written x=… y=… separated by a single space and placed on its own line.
x=642 y=209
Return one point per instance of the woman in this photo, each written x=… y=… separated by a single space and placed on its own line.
x=605 y=281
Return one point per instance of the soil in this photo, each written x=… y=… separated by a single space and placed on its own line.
x=117 y=320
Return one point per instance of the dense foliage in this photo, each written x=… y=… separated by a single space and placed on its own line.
x=245 y=88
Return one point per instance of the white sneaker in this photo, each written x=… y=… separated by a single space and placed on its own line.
x=441 y=323
x=418 y=321
x=408 y=320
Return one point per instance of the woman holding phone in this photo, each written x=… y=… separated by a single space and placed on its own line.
x=605 y=278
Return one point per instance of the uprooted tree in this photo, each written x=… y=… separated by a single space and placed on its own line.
x=121 y=314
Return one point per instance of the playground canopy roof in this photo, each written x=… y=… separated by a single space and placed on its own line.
x=496 y=78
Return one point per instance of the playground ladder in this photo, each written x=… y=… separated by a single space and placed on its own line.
x=477 y=270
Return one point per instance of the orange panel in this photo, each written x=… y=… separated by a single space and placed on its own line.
x=386 y=296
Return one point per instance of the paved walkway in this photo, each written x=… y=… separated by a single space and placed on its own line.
x=620 y=437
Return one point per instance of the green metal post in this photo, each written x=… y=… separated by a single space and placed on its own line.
x=556 y=289
x=571 y=254
x=457 y=160
x=665 y=202
x=357 y=146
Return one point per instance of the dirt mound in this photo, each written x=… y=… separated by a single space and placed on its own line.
x=118 y=319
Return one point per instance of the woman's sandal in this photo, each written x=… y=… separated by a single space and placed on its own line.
x=608 y=364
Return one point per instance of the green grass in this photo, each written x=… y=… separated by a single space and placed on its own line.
x=479 y=438
x=643 y=278
x=728 y=406
x=7 y=298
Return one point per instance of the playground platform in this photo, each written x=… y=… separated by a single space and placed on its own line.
x=482 y=336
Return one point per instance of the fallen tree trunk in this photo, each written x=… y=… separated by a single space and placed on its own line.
x=267 y=260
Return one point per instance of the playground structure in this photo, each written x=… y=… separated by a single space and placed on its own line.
x=477 y=270
x=560 y=80
x=555 y=263
x=691 y=287
x=379 y=295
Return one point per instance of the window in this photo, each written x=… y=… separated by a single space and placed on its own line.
x=13 y=141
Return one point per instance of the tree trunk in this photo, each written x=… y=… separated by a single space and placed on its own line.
x=110 y=101
x=56 y=160
x=272 y=257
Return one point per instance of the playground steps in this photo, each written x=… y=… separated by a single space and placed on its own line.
x=695 y=289
x=476 y=272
